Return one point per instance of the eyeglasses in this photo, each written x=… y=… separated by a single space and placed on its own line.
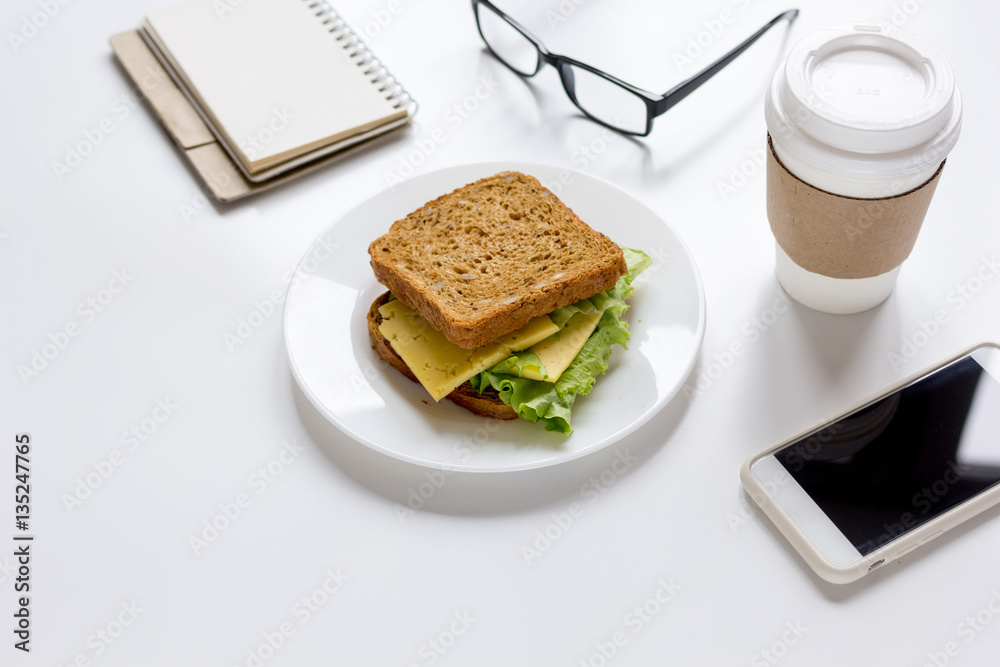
x=602 y=97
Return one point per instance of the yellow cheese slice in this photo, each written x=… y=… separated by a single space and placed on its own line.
x=558 y=351
x=440 y=365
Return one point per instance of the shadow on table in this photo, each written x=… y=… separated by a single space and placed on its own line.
x=482 y=494
x=892 y=568
x=810 y=355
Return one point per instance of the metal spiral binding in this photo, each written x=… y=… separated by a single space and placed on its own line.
x=357 y=51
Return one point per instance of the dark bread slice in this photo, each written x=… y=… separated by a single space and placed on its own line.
x=487 y=404
x=482 y=261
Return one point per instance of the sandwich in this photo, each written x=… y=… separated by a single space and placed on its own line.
x=501 y=300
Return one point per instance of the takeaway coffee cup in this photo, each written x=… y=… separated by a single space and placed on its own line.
x=860 y=119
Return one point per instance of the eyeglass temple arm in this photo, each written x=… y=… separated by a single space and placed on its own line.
x=685 y=88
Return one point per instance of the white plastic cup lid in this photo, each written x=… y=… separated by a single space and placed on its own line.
x=880 y=97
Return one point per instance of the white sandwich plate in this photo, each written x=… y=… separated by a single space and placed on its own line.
x=332 y=360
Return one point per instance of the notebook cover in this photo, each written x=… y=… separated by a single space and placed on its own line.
x=277 y=81
x=214 y=166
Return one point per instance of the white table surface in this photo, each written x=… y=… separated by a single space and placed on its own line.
x=450 y=584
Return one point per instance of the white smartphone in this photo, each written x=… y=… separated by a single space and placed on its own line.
x=889 y=474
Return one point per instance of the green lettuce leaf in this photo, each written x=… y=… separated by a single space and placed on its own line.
x=514 y=364
x=595 y=304
x=552 y=402
x=531 y=399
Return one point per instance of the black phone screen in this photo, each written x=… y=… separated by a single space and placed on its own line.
x=898 y=463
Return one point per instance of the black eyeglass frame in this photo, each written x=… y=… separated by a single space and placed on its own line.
x=655 y=105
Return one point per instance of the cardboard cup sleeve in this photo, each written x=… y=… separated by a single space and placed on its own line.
x=843 y=237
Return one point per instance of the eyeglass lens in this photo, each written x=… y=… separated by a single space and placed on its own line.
x=605 y=100
x=600 y=97
x=507 y=42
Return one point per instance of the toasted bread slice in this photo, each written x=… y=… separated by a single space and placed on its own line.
x=482 y=261
x=487 y=404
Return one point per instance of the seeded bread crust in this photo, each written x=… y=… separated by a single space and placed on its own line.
x=487 y=404
x=484 y=260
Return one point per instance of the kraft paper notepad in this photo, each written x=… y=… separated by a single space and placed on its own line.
x=280 y=84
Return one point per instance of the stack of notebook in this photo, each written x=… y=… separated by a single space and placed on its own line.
x=260 y=91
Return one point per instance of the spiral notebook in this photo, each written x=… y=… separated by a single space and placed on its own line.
x=280 y=83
